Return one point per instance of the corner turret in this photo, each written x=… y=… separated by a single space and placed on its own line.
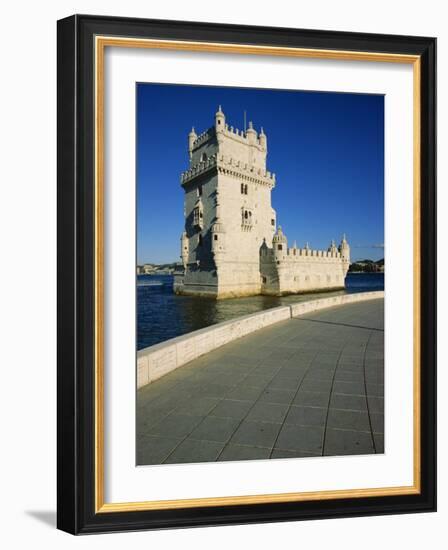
x=251 y=134
x=344 y=249
x=279 y=243
x=218 y=234
x=220 y=120
x=332 y=248
x=184 y=249
x=192 y=137
x=263 y=140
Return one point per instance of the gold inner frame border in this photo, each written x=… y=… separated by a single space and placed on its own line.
x=100 y=44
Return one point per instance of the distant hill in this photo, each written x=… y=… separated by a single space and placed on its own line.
x=367 y=266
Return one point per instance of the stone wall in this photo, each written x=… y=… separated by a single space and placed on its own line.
x=156 y=361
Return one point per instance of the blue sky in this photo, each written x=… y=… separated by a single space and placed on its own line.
x=326 y=149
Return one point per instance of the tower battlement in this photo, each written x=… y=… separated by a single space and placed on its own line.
x=231 y=245
x=225 y=164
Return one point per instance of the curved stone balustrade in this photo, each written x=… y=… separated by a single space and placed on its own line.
x=156 y=361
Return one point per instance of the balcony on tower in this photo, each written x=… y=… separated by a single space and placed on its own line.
x=198 y=215
x=246 y=219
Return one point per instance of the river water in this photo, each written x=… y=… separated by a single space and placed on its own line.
x=162 y=315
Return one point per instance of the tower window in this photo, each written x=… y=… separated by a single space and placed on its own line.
x=263 y=279
x=242 y=188
x=215 y=237
x=279 y=247
x=200 y=240
x=273 y=222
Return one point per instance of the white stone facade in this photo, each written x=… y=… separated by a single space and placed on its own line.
x=231 y=245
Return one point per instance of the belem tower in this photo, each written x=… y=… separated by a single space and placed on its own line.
x=231 y=245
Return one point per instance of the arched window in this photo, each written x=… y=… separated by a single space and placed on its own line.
x=242 y=188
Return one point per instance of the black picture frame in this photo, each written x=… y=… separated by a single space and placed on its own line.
x=76 y=285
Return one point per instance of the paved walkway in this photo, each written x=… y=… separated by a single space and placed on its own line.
x=309 y=386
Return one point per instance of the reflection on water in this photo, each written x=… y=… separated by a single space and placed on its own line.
x=162 y=315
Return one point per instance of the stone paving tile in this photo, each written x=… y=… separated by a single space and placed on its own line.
x=266 y=371
x=379 y=442
x=320 y=374
x=297 y=371
x=270 y=395
x=376 y=377
x=230 y=379
x=213 y=390
x=243 y=452
x=200 y=406
x=267 y=412
x=306 y=416
x=213 y=428
x=256 y=434
x=348 y=402
x=245 y=392
x=348 y=420
x=376 y=404
x=376 y=390
x=310 y=384
x=311 y=398
x=351 y=376
x=257 y=381
x=284 y=383
x=300 y=438
x=347 y=442
x=232 y=408
x=350 y=388
x=377 y=420
x=154 y=449
x=175 y=425
x=192 y=450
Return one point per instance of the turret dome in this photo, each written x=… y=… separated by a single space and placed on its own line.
x=279 y=236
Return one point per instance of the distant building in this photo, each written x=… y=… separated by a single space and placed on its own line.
x=148 y=268
x=231 y=245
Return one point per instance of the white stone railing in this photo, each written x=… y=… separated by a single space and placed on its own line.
x=303 y=308
x=155 y=361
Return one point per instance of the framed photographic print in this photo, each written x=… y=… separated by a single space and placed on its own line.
x=246 y=274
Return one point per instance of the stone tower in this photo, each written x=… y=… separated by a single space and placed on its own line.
x=228 y=212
